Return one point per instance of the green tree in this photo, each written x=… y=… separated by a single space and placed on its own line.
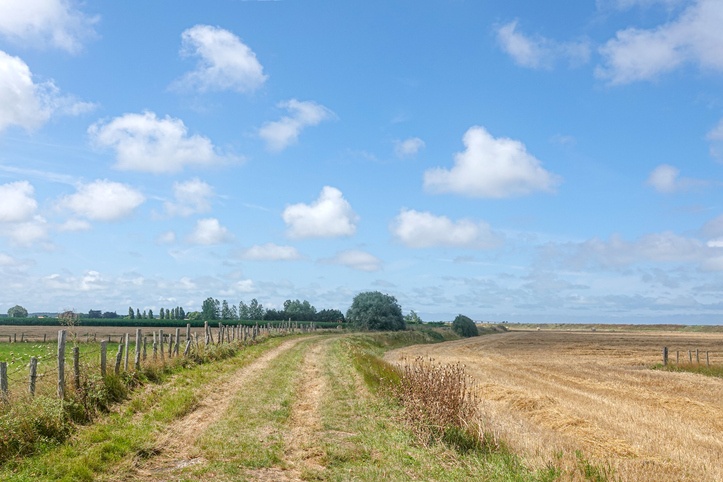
x=225 y=310
x=131 y=313
x=299 y=310
x=17 y=311
x=138 y=314
x=372 y=310
x=256 y=310
x=412 y=318
x=464 y=326
x=211 y=309
x=331 y=316
x=194 y=315
x=243 y=311
x=163 y=314
x=150 y=314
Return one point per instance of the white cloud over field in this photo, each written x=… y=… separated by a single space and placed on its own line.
x=103 y=200
x=417 y=229
x=491 y=167
x=280 y=134
x=329 y=216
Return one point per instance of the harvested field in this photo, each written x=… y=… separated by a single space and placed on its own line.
x=550 y=394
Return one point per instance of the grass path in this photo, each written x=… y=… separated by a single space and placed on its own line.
x=288 y=409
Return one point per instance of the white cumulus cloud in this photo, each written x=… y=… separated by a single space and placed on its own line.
x=329 y=216
x=191 y=197
x=539 y=52
x=55 y=23
x=408 y=147
x=693 y=37
x=103 y=200
x=27 y=104
x=355 y=259
x=209 y=231
x=491 y=167
x=225 y=62
x=417 y=229
x=143 y=142
x=280 y=134
x=270 y=252
x=18 y=202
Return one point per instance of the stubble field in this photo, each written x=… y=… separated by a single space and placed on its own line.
x=566 y=398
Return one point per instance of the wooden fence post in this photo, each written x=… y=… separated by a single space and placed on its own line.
x=145 y=338
x=4 y=381
x=61 y=364
x=118 y=358
x=188 y=331
x=677 y=357
x=103 y=357
x=138 y=349
x=707 y=359
x=33 y=375
x=160 y=340
x=697 y=356
x=127 y=348
x=178 y=341
x=690 y=357
x=76 y=368
x=665 y=356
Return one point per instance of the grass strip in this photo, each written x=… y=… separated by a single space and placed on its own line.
x=97 y=450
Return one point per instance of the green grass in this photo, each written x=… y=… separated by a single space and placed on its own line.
x=95 y=449
x=700 y=369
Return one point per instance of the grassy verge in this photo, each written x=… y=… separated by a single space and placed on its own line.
x=709 y=371
x=128 y=431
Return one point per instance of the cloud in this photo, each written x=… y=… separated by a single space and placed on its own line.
x=615 y=253
x=74 y=225
x=355 y=259
x=103 y=200
x=628 y=4
x=693 y=37
x=29 y=105
x=270 y=252
x=408 y=147
x=169 y=237
x=280 y=134
x=666 y=179
x=18 y=203
x=209 y=231
x=493 y=168
x=715 y=136
x=329 y=216
x=539 y=52
x=54 y=23
x=191 y=197
x=225 y=62
x=145 y=143
x=417 y=229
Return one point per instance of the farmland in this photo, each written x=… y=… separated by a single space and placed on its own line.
x=562 y=395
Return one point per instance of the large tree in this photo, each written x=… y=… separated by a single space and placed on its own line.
x=17 y=311
x=211 y=309
x=372 y=310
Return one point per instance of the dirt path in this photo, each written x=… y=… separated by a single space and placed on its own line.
x=552 y=392
x=174 y=447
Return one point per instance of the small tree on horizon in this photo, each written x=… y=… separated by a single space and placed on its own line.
x=464 y=326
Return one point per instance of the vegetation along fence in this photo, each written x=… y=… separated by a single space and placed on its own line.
x=156 y=347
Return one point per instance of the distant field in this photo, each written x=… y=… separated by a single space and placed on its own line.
x=551 y=393
x=83 y=333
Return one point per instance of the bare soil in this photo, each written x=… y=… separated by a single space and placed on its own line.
x=550 y=394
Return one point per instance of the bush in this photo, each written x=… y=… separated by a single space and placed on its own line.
x=464 y=326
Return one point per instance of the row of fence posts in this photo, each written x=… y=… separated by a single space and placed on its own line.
x=229 y=334
x=690 y=357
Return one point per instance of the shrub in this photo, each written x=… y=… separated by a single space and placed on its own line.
x=464 y=326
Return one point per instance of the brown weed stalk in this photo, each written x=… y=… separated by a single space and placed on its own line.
x=441 y=404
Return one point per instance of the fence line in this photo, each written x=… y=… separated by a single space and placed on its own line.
x=226 y=334
x=697 y=353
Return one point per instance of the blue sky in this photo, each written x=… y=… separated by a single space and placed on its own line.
x=520 y=161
